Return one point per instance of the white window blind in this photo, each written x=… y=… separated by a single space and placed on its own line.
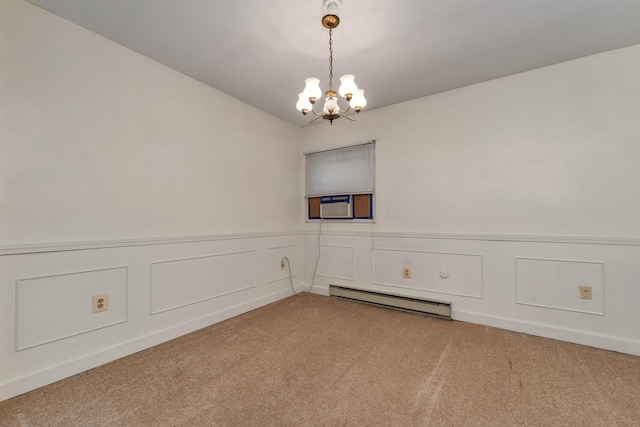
x=348 y=170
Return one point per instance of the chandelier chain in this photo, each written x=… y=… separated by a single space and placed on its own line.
x=331 y=59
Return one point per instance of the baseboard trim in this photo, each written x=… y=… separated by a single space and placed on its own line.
x=590 y=339
x=316 y=289
x=50 y=374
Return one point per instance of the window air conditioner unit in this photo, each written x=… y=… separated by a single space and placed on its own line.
x=336 y=207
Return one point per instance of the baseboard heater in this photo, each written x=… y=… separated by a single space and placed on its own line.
x=435 y=308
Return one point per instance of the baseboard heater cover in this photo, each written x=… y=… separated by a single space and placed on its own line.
x=435 y=308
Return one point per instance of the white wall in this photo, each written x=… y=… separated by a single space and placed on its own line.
x=552 y=151
x=522 y=189
x=99 y=142
x=121 y=176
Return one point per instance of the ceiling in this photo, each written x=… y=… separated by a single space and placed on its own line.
x=260 y=51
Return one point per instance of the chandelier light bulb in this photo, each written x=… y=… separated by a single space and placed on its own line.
x=330 y=105
x=312 y=89
x=303 y=103
x=358 y=101
x=347 y=85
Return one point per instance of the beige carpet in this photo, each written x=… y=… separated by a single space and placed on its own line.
x=319 y=361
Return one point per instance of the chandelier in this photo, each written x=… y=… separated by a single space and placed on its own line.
x=348 y=89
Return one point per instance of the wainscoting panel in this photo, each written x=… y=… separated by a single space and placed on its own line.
x=274 y=256
x=58 y=306
x=527 y=284
x=336 y=262
x=555 y=283
x=180 y=282
x=159 y=289
x=446 y=273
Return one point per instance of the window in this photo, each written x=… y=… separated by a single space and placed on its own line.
x=340 y=182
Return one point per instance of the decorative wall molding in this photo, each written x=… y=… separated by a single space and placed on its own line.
x=539 y=297
x=380 y=248
x=29 y=317
x=596 y=306
x=375 y=281
x=40 y=247
x=284 y=250
x=50 y=373
x=279 y=247
x=350 y=276
x=197 y=293
x=211 y=278
x=584 y=240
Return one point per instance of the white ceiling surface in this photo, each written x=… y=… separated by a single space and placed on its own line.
x=260 y=51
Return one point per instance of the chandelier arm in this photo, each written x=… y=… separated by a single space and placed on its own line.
x=345 y=111
x=311 y=121
x=350 y=118
x=314 y=111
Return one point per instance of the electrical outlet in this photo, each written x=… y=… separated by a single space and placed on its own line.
x=282 y=264
x=585 y=292
x=100 y=303
x=406 y=272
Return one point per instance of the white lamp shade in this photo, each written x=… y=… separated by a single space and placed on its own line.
x=330 y=105
x=347 y=85
x=312 y=88
x=303 y=103
x=358 y=99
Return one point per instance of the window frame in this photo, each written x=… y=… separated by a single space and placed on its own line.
x=368 y=164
